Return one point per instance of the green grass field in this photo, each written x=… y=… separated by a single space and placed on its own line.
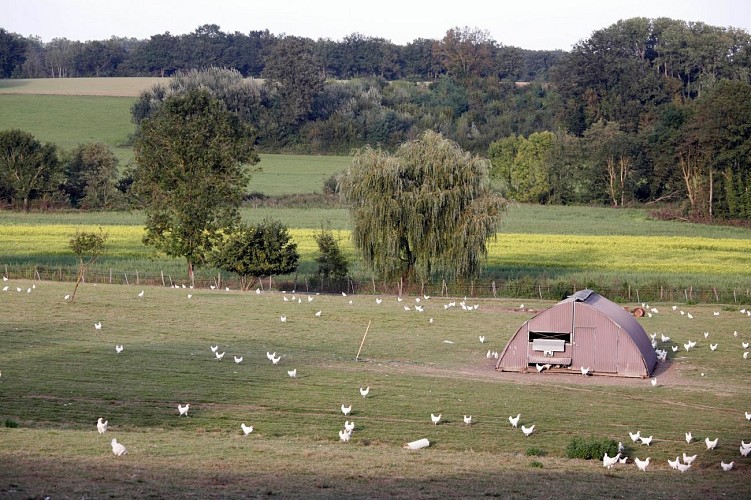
x=69 y=120
x=58 y=375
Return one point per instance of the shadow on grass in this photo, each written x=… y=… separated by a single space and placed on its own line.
x=127 y=477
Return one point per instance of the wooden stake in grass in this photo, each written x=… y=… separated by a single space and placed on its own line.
x=363 y=341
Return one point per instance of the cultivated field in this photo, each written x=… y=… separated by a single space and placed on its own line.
x=568 y=244
x=113 y=87
x=58 y=374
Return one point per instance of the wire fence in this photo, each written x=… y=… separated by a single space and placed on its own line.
x=526 y=287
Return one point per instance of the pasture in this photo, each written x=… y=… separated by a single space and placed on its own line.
x=79 y=112
x=58 y=374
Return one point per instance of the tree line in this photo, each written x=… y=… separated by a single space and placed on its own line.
x=643 y=111
x=354 y=56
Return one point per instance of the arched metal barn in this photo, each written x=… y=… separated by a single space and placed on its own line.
x=583 y=330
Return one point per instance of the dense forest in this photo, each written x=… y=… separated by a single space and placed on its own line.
x=642 y=111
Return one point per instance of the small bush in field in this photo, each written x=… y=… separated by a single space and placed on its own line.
x=591 y=448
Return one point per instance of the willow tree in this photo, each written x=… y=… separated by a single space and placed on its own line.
x=423 y=210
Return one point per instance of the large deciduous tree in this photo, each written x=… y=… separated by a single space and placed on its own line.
x=716 y=152
x=241 y=96
x=28 y=169
x=191 y=174
x=294 y=73
x=425 y=209
x=466 y=52
x=522 y=166
x=12 y=53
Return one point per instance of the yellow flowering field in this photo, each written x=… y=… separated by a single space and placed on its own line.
x=637 y=254
x=628 y=254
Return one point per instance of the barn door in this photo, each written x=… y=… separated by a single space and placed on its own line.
x=596 y=348
x=584 y=348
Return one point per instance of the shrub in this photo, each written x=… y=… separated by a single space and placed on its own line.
x=591 y=448
x=330 y=184
x=331 y=262
x=536 y=452
x=536 y=464
x=10 y=423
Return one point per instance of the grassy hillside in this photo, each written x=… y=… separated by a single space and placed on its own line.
x=69 y=120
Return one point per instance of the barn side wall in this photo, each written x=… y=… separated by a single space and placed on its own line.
x=514 y=356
